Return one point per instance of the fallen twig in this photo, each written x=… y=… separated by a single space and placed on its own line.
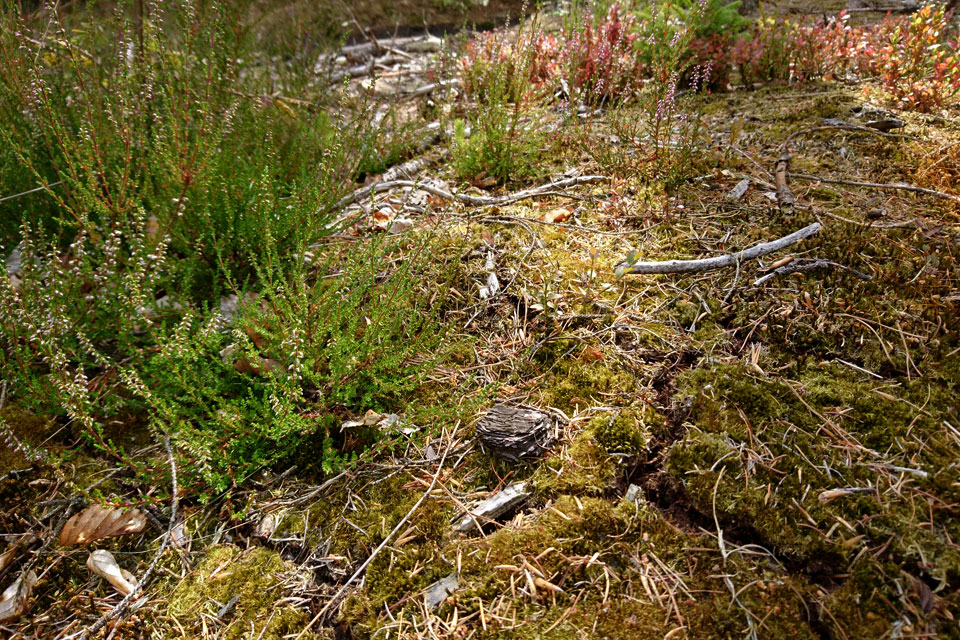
x=808 y=264
x=844 y=127
x=483 y=201
x=719 y=262
x=879 y=185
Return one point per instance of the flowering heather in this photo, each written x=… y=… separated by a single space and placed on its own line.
x=602 y=60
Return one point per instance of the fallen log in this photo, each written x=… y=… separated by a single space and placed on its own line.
x=718 y=262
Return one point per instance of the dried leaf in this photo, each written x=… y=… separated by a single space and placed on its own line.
x=782 y=262
x=13 y=600
x=560 y=214
x=266 y=526
x=591 y=354
x=152 y=227
x=97 y=522
x=102 y=563
x=7 y=556
x=179 y=535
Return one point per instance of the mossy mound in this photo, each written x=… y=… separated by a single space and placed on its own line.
x=825 y=466
x=256 y=577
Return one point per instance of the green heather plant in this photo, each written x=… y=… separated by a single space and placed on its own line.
x=501 y=135
x=176 y=172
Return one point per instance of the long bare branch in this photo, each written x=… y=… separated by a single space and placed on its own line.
x=719 y=262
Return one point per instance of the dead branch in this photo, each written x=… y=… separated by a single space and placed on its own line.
x=875 y=130
x=719 y=262
x=900 y=186
x=809 y=264
x=785 y=197
x=481 y=201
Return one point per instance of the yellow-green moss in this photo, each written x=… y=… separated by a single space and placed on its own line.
x=254 y=575
x=29 y=429
x=584 y=468
x=624 y=432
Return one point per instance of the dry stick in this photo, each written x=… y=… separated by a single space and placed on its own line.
x=809 y=264
x=846 y=127
x=472 y=200
x=891 y=185
x=29 y=191
x=383 y=544
x=727 y=260
x=119 y=610
x=785 y=197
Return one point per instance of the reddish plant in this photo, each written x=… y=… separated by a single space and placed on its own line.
x=602 y=60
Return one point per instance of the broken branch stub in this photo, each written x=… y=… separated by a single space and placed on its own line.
x=784 y=196
x=493 y=507
x=514 y=433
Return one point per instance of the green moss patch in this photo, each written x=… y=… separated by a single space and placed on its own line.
x=255 y=576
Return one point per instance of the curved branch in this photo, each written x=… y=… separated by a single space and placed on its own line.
x=719 y=262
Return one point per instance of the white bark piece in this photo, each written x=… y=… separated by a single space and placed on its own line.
x=494 y=506
x=436 y=593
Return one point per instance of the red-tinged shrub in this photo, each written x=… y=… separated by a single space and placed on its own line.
x=917 y=65
x=602 y=60
x=712 y=52
x=910 y=55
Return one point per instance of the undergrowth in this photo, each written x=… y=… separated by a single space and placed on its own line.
x=170 y=263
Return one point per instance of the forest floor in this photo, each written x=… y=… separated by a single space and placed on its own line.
x=742 y=452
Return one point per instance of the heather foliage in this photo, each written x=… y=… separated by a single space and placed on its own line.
x=177 y=174
x=615 y=54
x=507 y=83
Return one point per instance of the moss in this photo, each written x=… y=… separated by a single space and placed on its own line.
x=624 y=432
x=254 y=576
x=30 y=429
x=584 y=468
x=760 y=455
x=576 y=383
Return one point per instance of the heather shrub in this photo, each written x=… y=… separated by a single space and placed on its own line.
x=162 y=114
x=178 y=172
x=507 y=85
x=601 y=58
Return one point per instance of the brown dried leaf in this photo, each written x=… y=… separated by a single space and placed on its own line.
x=97 y=522
x=7 y=556
x=591 y=354
x=559 y=214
